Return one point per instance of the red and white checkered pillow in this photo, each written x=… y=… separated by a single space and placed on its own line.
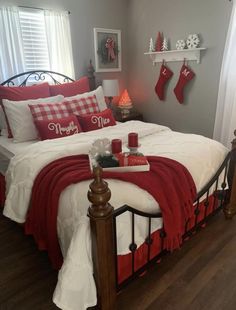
x=82 y=106
x=60 y=110
x=49 y=111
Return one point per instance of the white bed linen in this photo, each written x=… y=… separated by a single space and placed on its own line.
x=9 y=149
x=75 y=288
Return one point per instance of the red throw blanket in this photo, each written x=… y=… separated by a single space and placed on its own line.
x=168 y=182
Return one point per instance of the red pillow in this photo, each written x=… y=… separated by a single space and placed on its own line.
x=71 y=89
x=22 y=93
x=58 y=128
x=95 y=121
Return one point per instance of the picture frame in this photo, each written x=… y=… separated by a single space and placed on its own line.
x=107 y=48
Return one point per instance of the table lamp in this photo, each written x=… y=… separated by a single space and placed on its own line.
x=110 y=89
x=125 y=103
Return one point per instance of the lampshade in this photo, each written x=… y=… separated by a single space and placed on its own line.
x=110 y=88
x=125 y=99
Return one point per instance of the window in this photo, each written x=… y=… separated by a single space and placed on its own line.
x=32 y=24
x=34 y=39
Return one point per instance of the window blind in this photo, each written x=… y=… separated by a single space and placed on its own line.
x=34 y=38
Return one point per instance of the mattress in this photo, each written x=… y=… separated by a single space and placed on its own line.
x=9 y=149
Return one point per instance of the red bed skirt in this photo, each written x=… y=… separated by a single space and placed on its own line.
x=2 y=190
x=124 y=263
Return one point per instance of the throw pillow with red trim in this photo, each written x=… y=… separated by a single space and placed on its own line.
x=22 y=93
x=96 y=121
x=58 y=128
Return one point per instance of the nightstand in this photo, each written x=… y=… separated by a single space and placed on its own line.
x=132 y=116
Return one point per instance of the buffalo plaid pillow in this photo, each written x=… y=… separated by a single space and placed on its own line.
x=82 y=106
x=60 y=110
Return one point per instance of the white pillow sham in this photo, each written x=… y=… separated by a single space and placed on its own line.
x=3 y=124
x=20 y=118
x=99 y=96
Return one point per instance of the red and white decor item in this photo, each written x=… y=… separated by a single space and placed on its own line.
x=58 y=128
x=116 y=146
x=165 y=75
x=193 y=41
x=94 y=121
x=186 y=75
x=159 y=42
x=151 y=46
x=165 y=46
x=125 y=103
x=180 y=44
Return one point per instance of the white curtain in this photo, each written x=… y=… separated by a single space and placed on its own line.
x=59 y=42
x=225 y=122
x=11 y=51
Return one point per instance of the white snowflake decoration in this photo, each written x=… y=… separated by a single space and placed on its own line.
x=100 y=147
x=180 y=44
x=193 y=41
x=164 y=45
x=151 y=46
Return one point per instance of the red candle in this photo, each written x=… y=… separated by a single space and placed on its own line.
x=133 y=139
x=116 y=146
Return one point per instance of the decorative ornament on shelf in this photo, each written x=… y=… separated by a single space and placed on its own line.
x=159 y=41
x=193 y=41
x=125 y=103
x=151 y=46
x=180 y=44
x=165 y=45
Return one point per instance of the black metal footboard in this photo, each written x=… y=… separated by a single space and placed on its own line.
x=211 y=188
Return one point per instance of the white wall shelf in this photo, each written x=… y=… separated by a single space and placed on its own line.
x=176 y=55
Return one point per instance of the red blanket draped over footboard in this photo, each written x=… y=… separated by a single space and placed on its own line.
x=168 y=182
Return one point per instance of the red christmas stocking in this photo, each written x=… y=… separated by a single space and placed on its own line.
x=186 y=75
x=165 y=75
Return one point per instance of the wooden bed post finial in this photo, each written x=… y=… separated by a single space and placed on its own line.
x=91 y=76
x=230 y=209
x=101 y=221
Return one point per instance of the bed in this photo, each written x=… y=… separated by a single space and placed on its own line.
x=127 y=239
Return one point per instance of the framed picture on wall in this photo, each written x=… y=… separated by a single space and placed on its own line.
x=107 y=46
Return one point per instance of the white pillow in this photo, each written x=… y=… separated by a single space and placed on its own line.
x=99 y=96
x=3 y=124
x=20 y=118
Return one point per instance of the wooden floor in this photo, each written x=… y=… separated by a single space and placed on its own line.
x=202 y=275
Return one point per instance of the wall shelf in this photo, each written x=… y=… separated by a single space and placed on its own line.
x=176 y=55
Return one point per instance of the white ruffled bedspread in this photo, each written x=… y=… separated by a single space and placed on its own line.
x=76 y=288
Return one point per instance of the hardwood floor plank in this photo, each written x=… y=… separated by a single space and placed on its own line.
x=200 y=276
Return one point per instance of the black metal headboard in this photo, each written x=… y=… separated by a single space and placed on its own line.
x=50 y=76
x=37 y=76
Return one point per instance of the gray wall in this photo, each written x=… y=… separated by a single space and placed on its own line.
x=177 y=19
x=85 y=15
x=139 y=20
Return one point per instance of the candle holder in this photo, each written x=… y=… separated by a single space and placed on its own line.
x=133 y=150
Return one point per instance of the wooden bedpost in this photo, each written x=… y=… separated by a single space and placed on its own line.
x=91 y=76
x=101 y=221
x=230 y=209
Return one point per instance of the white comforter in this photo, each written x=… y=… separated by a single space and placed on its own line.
x=76 y=289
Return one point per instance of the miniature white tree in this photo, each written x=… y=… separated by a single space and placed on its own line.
x=164 y=45
x=151 y=45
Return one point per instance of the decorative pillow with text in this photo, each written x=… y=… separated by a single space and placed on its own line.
x=58 y=128
x=96 y=121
